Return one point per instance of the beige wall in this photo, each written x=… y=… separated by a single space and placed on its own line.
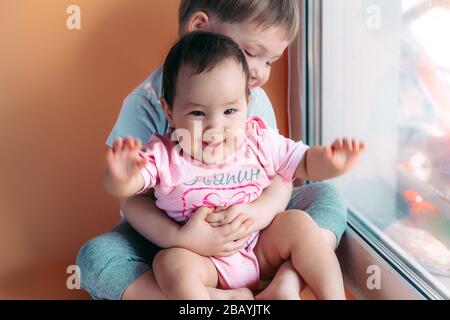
x=60 y=93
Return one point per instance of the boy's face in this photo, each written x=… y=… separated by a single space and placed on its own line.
x=262 y=46
x=209 y=111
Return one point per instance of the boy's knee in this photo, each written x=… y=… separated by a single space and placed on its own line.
x=328 y=195
x=98 y=251
x=102 y=262
x=324 y=189
x=89 y=262
x=88 y=255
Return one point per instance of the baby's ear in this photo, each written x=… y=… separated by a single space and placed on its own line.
x=166 y=108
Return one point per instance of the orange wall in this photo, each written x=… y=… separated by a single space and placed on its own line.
x=60 y=93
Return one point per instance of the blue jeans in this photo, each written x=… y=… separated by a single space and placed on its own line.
x=112 y=261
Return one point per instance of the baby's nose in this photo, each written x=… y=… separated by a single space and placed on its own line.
x=214 y=124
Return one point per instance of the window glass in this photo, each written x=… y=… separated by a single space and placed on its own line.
x=386 y=80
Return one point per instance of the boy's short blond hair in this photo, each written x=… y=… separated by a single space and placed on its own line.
x=266 y=13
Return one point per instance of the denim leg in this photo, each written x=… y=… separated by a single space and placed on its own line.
x=324 y=204
x=110 y=262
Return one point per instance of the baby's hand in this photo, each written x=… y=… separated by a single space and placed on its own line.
x=343 y=153
x=123 y=159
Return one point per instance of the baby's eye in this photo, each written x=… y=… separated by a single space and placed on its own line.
x=197 y=113
x=269 y=64
x=230 y=111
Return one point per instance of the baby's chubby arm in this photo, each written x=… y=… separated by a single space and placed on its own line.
x=123 y=163
x=329 y=161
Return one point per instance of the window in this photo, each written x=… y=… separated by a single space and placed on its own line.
x=385 y=78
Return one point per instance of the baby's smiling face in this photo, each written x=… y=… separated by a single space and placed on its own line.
x=210 y=111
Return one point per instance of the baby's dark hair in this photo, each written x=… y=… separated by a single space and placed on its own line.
x=202 y=51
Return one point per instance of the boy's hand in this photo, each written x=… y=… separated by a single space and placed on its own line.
x=200 y=237
x=222 y=216
x=123 y=159
x=343 y=154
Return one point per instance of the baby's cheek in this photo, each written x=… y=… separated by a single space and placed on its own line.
x=187 y=146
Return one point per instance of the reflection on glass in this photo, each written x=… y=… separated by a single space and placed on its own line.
x=424 y=136
x=391 y=87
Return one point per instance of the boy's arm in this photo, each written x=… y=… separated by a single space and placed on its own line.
x=152 y=223
x=196 y=235
x=274 y=199
x=330 y=161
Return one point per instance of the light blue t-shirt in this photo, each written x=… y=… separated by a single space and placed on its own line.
x=142 y=114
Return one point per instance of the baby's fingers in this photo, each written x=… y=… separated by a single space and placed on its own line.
x=348 y=145
x=240 y=230
x=362 y=146
x=141 y=162
x=128 y=143
x=137 y=143
x=225 y=253
x=235 y=227
x=237 y=244
x=117 y=145
x=329 y=151
x=355 y=146
x=338 y=144
x=109 y=157
x=215 y=217
x=358 y=146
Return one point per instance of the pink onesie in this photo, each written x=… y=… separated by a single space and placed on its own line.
x=182 y=185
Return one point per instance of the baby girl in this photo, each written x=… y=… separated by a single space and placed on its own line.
x=215 y=156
